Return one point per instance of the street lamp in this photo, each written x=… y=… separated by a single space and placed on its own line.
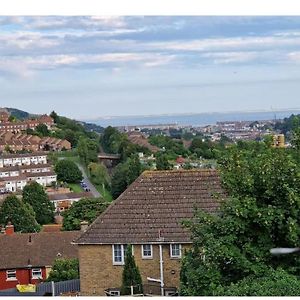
x=280 y=251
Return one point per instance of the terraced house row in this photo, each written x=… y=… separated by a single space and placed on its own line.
x=18 y=126
x=16 y=170
x=14 y=142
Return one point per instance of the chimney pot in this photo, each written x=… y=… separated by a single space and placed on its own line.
x=84 y=225
x=9 y=229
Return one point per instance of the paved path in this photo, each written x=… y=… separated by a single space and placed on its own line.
x=88 y=182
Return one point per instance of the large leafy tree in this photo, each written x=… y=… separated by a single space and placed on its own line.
x=67 y=171
x=262 y=212
x=20 y=214
x=124 y=174
x=35 y=195
x=64 y=269
x=86 y=209
x=131 y=275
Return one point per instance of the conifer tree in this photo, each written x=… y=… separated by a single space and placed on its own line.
x=131 y=275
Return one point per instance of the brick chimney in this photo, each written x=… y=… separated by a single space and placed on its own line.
x=9 y=229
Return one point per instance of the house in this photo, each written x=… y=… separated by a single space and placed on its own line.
x=19 y=126
x=148 y=216
x=63 y=202
x=8 y=160
x=26 y=258
x=140 y=139
x=25 y=142
x=16 y=170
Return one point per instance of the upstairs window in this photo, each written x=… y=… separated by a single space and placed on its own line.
x=175 y=250
x=147 y=251
x=119 y=254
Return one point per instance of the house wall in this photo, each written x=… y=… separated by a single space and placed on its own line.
x=97 y=272
x=23 y=277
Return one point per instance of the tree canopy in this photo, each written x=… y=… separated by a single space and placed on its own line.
x=35 y=195
x=124 y=174
x=68 y=171
x=20 y=214
x=261 y=212
x=86 y=209
x=64 y=269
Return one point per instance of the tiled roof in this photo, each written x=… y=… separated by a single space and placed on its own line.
x=17 y=155
x=40 y=248
x=156 y=203
x=69 y=196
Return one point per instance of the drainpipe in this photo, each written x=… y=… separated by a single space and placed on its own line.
x=161 y=269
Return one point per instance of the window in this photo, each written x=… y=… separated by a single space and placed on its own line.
x=36 y=273
x=11 y=275
x=119 y=254
x=147 y=251
x=175 y=250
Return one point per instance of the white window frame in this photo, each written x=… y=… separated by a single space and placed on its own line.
x=36 y=270
x=171 y=251
x=9 y=273
x=123 y=250
x=147 y=256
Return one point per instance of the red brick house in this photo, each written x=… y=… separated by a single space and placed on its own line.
x=148 y=216
x=26 y=258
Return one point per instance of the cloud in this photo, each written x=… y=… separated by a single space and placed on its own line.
x=231 y=57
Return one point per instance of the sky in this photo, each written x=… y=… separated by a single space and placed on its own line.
x=91 y=66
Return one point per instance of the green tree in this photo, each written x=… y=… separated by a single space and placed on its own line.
x=162 y=162
x=99 y=174
x=54 y=116
x=68 y=171
x=20 y=214
x=64 y=269
x=42 y=129
x=131 y=275
x=35 y=195
x=261 y=213
x=87 y=150
x=86 y=209
x=124 y=174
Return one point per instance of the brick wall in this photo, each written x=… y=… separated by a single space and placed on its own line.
x=97 y=272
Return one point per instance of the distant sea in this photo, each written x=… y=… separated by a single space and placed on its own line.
x=201 y=119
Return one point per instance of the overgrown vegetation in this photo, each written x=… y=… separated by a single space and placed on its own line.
x=231 y=250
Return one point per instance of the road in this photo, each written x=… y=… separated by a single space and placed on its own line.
x=90 y=186
x=88 y=182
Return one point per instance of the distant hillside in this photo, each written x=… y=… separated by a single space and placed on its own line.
x=20 y=114
x=23 y=115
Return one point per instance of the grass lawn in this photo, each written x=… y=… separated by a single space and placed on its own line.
x=104 y=192
x=75 y=187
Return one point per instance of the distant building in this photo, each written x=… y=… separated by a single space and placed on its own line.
x=19 y=126
x=16 y=170
x=17 y=142
x=63 y=202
